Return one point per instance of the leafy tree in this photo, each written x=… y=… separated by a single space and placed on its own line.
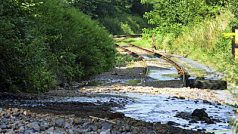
x=173 y=15
x=114 y=15
x=44 y=43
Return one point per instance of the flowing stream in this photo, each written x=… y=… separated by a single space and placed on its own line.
x=153 y=108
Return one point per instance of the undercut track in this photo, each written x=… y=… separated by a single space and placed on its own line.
x=181 y=71
x=193 y=83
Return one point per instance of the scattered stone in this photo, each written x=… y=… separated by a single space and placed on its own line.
x=92 y=128
x=35 y=126
x=21 y=129
x=193 y=121
x=3 y=126
x=108 y=131
x=202 y=116
x=184 y=115
x=77 y=121
x=172 y=123
x=29 y=131
x=0 y=110
x=67 y=125
x=126 y=128
x=44 y=126
x=10 y=131
x=200 y=113
x=50 y=130
x=26 y=113
x=106 y=126
x=57 y=132
x=60 y=122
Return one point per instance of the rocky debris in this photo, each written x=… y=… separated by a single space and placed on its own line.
x=60 y=122
x=196 y=116
x=202 y=116
x=13 y=120
x=208 y=84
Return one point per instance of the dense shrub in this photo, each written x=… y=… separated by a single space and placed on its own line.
x=22 y=56
x=48 y=42
x=123 y=24
x=173 y=15
x=117 y=16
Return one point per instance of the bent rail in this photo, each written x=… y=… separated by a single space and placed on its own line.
x=181 y=71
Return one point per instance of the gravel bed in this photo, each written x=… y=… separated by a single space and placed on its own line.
x=15 y=120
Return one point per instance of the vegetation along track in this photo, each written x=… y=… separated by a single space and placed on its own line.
x=194 y=83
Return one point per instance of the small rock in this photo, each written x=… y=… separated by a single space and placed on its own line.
x=202 y=116
x=200 y=113
x=92 y=128
x=10 y=131
x=116 y=132
x=183 y=115
x=171 y=123
x=60 y=122
x=207 y=102
x=126 y=128
x=25 y=112
x=67 y=125
x=3 y=126
x=29 y=131
x=108 y=131
x=35 y=126
x=208 y=120
x=44 y=126
x=50 y=130
x=77 y=121
x=106 y=126
x=0 y=110
x=21 y=129
x=15 y=110
x=84 y=131
x=193 y=121
x=70 y=131
x=57 y=132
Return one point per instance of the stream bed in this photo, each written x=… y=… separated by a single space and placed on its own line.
x=164 y=109
x=151 y=108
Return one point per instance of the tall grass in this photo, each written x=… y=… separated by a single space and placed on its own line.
x=205 y=42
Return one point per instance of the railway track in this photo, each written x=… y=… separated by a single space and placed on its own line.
x=138 y=57
x=196 y=82
x=181 y=71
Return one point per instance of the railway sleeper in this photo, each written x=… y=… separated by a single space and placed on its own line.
x=207 y=84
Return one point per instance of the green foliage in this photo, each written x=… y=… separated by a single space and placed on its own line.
x=207 y=44
x=171 y=16
x=23 y=57
x=123 y=24
x=117 y=16
x=48 y=42
x=123 y=60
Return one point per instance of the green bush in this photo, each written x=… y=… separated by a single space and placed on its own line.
x=118 y=17
x=48 y=42
x=23 y=64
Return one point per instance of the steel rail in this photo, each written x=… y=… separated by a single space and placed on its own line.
x=181 y=71
x=146 y=71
